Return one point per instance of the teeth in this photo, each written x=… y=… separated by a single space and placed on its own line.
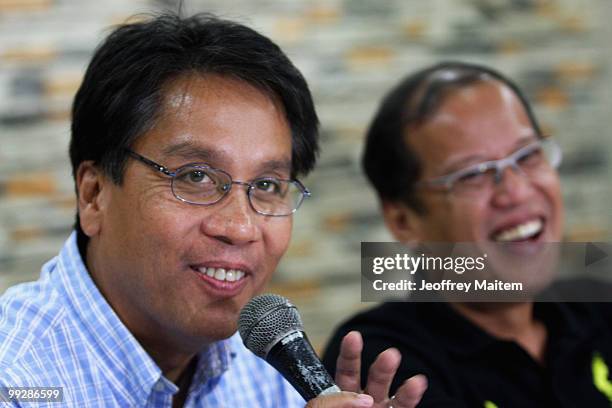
x=220 y=274
x=522 y=231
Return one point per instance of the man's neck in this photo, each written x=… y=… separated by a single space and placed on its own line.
x=173 y=366
x=183 y=382
x=179 y=369
x=508 y=321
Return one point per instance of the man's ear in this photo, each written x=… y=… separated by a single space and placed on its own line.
x=90 y=182
x=402 y=221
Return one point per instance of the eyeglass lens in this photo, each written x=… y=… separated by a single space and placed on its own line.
x=204 y=185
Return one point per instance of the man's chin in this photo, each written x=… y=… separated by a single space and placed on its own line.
x=206 y=328
x=203 y=337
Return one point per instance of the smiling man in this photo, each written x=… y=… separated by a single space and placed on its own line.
x=457 y=156
x=188 y=135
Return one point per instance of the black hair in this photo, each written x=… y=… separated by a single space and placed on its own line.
x=122 y=92
x=390 y=165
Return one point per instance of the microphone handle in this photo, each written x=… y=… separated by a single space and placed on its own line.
x=295 y=359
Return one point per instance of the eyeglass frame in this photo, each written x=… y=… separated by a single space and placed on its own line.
x=500 y=165
x=166 y=171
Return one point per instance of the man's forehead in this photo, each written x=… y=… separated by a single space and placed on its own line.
x=195 y=151
x=477 y=94
x=181 y=95
x=474 y=123
x=482 y=104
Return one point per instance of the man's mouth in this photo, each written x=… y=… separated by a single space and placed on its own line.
x=222 y=274
x=528 y=230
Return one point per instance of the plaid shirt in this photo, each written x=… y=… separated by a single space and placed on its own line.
x=60 y=332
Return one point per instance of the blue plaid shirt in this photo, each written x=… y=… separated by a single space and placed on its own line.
x=60 y=332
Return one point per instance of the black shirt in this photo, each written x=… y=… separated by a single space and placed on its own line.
x=467 y=367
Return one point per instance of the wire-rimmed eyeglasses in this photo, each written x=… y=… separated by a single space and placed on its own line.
x=201 y=184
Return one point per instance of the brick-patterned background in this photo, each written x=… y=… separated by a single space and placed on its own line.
x=351 y=52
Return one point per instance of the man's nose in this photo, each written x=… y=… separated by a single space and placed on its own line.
x=512 y=186
x=232 y=220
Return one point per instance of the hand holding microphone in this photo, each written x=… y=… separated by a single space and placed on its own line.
x=271 y=327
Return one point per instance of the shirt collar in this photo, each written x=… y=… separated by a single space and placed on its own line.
x=466 y=338
x=118 y=351
x=460 y=334
x=213 y=361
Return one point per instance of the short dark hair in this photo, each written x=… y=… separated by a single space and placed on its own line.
x=390 y=165
x=122 y=92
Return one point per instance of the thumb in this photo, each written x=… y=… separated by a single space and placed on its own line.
x=342 y=400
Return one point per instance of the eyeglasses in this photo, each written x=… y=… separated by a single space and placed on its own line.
x=530 y=161
x=200 y=184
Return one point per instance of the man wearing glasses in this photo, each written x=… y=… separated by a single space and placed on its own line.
x=188 y=135
x=456 y=155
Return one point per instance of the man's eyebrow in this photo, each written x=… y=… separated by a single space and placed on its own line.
x=525 y=140
x=276 y=165
x=188 y=151
x=478 y=158
x=463 y=163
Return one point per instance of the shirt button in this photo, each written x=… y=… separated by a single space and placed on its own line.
x=159 y=386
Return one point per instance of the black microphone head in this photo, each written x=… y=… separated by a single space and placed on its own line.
x=265 y=320
x=271 y=327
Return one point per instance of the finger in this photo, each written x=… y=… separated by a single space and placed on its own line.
x=342 y=400
x=411 y=392
x=381 y=374
x=348 y=365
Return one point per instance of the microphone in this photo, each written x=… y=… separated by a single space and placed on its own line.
x=271 y=327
